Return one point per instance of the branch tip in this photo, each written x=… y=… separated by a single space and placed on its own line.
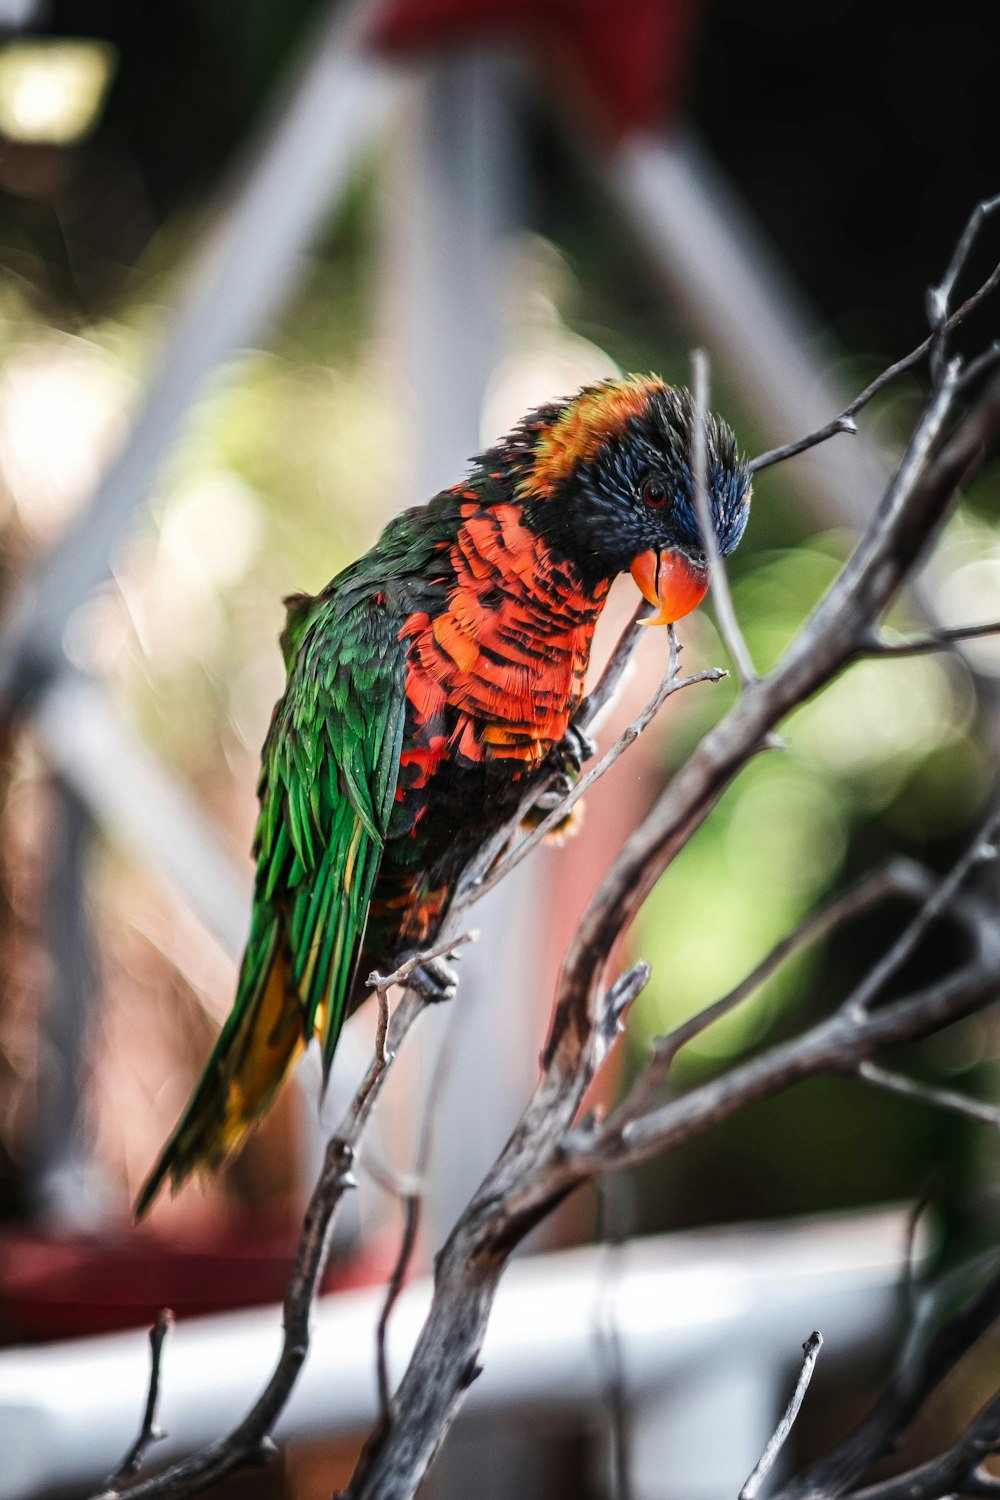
x=729 y=627
x=810 y=1351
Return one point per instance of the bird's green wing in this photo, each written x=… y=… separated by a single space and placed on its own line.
x=328 y=780
x=327 y=786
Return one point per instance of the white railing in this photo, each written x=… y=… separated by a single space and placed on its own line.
x=709 y=1328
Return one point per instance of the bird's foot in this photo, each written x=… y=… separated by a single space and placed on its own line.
x=435 y=980
x=575 y=747
x=553 y=796
x=565 y=762
x=563 y=828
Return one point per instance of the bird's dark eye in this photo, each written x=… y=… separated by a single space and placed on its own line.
x=654 y=494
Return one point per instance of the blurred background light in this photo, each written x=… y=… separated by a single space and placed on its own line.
x=51 y=92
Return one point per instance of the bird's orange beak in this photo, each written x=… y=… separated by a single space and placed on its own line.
x=671 y=582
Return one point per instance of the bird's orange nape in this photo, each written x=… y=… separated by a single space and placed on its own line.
x=671 y=582
x=598 y=414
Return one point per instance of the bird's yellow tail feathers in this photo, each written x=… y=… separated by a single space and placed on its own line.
x=257 y=1046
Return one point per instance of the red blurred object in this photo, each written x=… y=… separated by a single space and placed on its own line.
x=628 y=59
x=72 y=1287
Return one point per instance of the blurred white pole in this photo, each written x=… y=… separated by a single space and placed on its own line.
x=729 y=283
x=67 y=1190
x=452 y=220
x=137 y=802
x=241 y=274
x=455 y=216
x=673 y=1434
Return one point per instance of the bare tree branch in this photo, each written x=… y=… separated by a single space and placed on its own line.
x=977 y=368
x=899 y=877
x=589 y=713
x=937 y=298
x=149 y=1432
x=939 y=640
x=670 y=684
x=381 y=982
x=729 y=626
x=411 y=1222
x=955 y=1472
x=249 y=1440
x=810 y=1350
x=908 y=1088
x=982 y=850
x=609 y=1344
x=914 y=1382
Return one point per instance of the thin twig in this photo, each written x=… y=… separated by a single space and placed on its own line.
x=412 y=1197
x=916 y=1379
x=765 y=1463
x=382 y=1024
x=411 y=1222
x=899 y=877
x=614 y=1008
x=975 y=369
x=493 y=848
x=950 y=1474
x=729 y=626
x=841 y=423
x=939 y=297
x=948 y=1099
x=149 y=1432
x=918 y=450
x=981 y=1484
x=981 y=850
x=670 y=684
x=909 y=1287
x=381 y=982
x=844 y=422
x=939 y=640
x=397 y=1184
x=609 y=1345
x=589 y=713
x=851 y=1036
x=249 y=1440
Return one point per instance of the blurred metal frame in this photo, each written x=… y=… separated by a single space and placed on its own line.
x=245 y=266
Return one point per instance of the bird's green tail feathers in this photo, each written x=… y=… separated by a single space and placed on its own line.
x=257 y=1046
x=279 y=1006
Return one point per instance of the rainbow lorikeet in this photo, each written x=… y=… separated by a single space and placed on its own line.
x=427 y=684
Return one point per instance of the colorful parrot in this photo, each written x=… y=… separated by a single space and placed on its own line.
x=428 y=684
